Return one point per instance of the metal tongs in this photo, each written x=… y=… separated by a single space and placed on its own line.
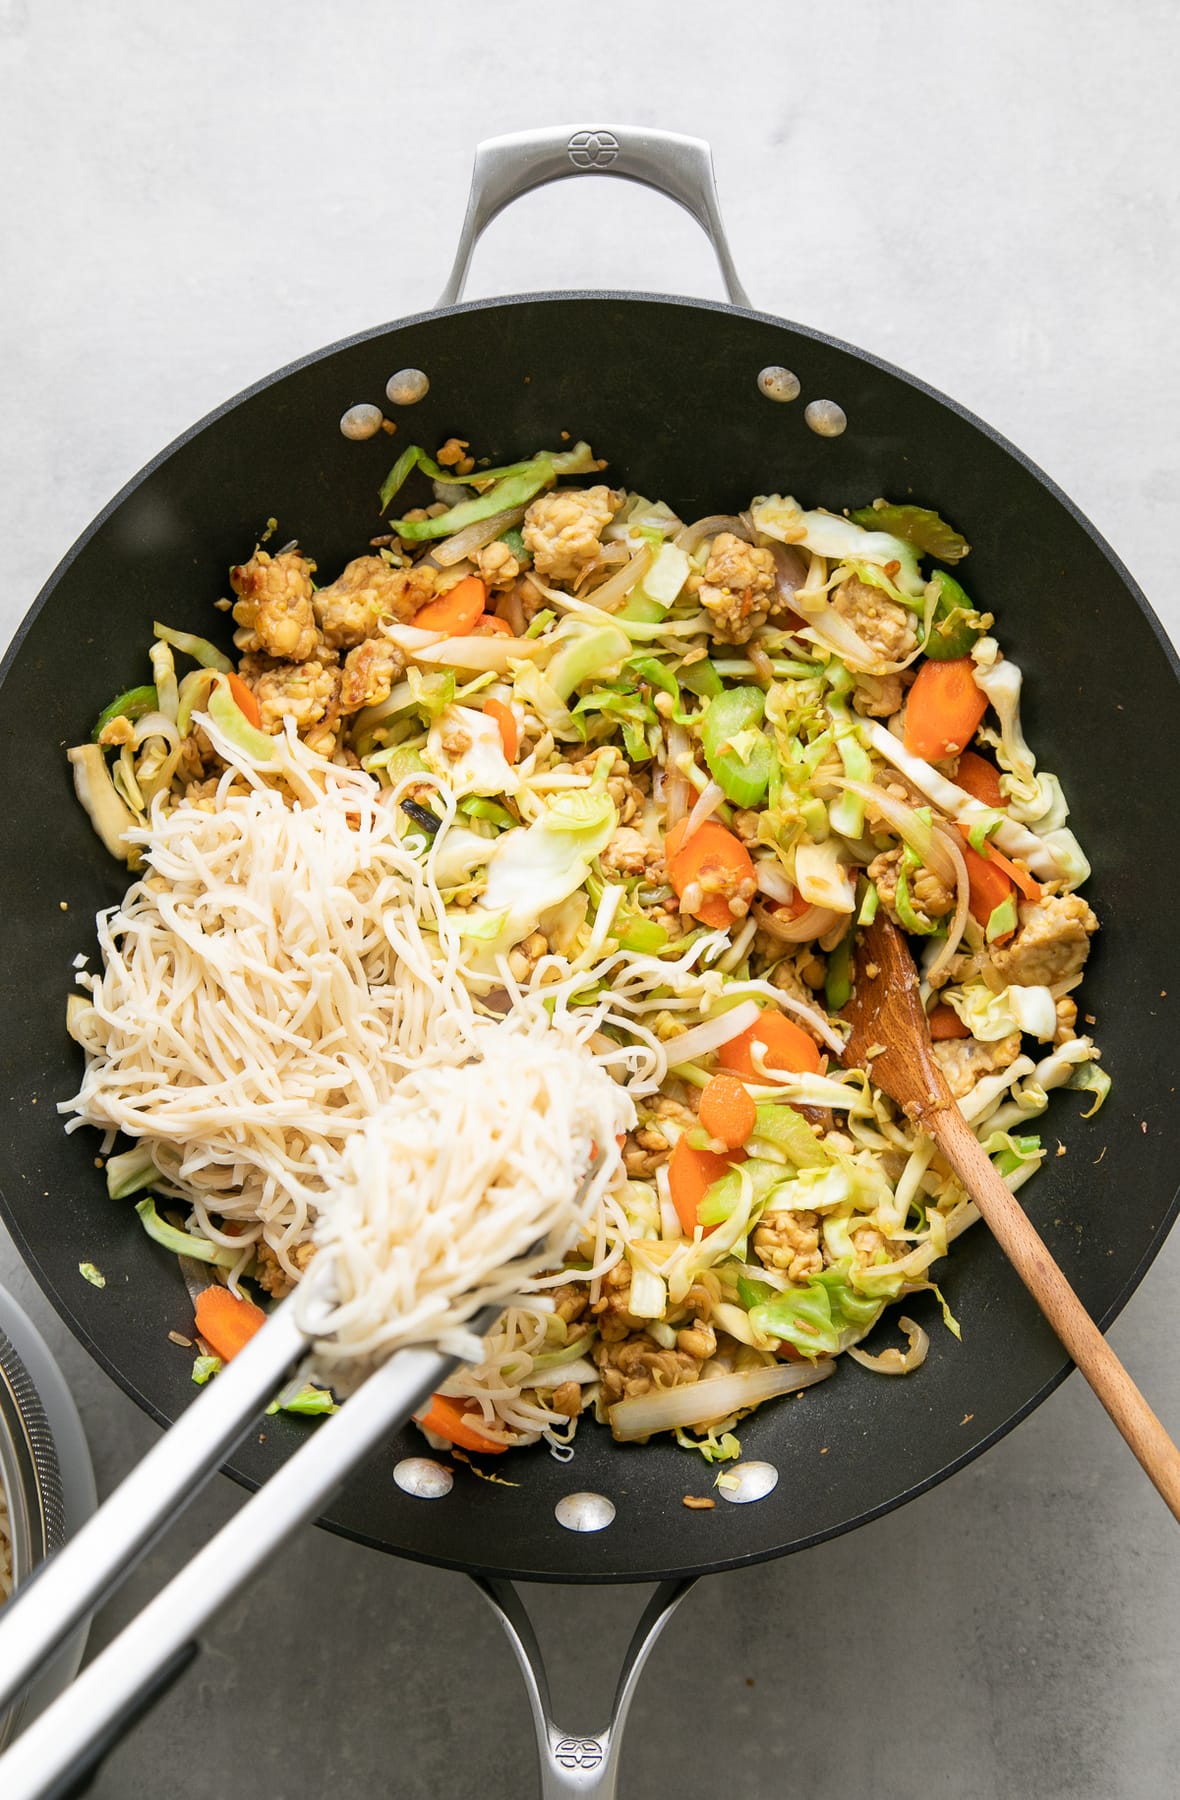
x=57 y=1754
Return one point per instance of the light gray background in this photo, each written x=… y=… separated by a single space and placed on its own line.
x=985 y=194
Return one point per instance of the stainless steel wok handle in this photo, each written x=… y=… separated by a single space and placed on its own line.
x=507 y=167
x=572 y=1764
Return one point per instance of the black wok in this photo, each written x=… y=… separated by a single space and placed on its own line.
x=667 y=389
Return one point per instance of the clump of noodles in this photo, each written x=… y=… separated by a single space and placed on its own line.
x=465 y=1187
x=265 y=985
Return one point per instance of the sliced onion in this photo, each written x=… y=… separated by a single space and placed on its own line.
x=773 y=880
x=801 y=930
x=717 y=1398
x=832 y=632
x=691 y=537
x=703 y=1039
x=1013 y=839
x=677 y=787
x=924 y=840
x=790 y=572
x=711 y=797
x=611 y=594
x=154 y=724
x=892 y=1361
x=811 y=597
x=474 y=537
x=510 y=608
x=410 y=638
x=962 y=898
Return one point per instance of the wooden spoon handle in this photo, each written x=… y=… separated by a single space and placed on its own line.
x=1022 y=1244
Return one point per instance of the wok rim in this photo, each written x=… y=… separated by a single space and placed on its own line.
x=58 y=1299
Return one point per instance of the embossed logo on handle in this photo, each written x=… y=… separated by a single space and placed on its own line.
x=579 y=1753
x=592 y=149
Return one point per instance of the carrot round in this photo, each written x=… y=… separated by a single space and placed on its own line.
x=711 y=854
x=979 y=778
x=226 y=1321
x=944 y=709
x=509 y=732
x=1029 y=886
x=491 y=625
x=246 y=700
x=456 y=611
x=448 y=1419
x=785 y=1046
x=727 y=1112
x=945 y=1023
x=691 y=1173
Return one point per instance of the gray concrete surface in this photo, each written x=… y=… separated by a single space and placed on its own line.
x=982 y=193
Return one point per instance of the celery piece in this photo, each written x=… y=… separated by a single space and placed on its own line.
x=739 y=754
x=916 y=525
x=957 y=625
x=838 y=981
x=475 y=806
x=132 y=705
x=701 y=678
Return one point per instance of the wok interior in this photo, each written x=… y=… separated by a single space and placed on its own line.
x=667 y=391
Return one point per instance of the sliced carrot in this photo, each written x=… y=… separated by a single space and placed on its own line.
x=979 y=778
x=785 y=1046
x=691 y=1173
x=1029 y=886
x=945 y=1023
x=509 y=732
x=456 y=611
x=944 y=709
x=246 y=700
x=712 y=855
x=727 y=1112
x=990 y=886
x=227 y=1322
x=448 y=1419
x=491 y=625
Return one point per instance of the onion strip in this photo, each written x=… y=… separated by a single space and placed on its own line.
x=894 y=1361
x=962 y=903
x=474 y=537
x=709 y=1036
x=716 y=1398
x=710 y=798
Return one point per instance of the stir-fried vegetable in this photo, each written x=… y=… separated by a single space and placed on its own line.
x=644 y=779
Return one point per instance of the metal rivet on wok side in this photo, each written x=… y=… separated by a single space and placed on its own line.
x=825 y=417
x=423 y=1478
x=748 y=1481
x=361 y=422
x=584 y=1512
x=407 y=387
x=778 y=383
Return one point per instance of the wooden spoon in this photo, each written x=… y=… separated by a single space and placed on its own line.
x=890 y=1040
